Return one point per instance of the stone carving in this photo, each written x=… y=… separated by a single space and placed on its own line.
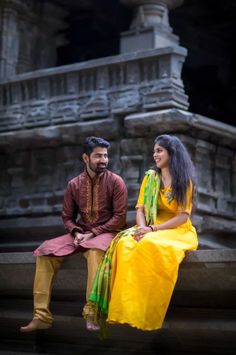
x=37 y=114
x=126 y=83
x=164 y=94
x=124 y=101
x=13 y=118
x=95 y=107
x=63 y=111
x=102 y=79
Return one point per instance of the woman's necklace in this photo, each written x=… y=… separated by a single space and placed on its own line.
x=165 y=181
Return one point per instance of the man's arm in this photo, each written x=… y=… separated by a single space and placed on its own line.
x=117 y=221
x=70 y=211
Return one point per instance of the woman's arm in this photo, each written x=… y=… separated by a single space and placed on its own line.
x=174 y=222
x=140 y=217
x=141 y=222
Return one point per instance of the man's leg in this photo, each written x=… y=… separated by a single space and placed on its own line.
x=46 y=268
x=93 y=256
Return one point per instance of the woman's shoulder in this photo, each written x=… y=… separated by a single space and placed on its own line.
x=151 y=172
x=152 y=179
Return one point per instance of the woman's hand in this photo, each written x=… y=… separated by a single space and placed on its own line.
x=79 y=237
x=141 y=231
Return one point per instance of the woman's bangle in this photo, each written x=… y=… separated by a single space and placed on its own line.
x=153 y=227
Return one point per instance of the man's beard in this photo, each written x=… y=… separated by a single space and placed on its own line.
x=99 y=168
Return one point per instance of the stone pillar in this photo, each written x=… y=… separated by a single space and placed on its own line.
x=150 y=26
x=28 y=35
x=9 y=40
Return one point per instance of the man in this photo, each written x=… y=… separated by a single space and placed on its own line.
x=99 y=197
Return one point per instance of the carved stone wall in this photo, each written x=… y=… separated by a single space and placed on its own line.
x=33 y=181
x=212 y=146
x=128 y=99
x=29 y=37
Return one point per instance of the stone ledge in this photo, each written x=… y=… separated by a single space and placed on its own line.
x=197 y=256
x=53 y=136
x=211 y=256
x=202 y=273
x=175 y=120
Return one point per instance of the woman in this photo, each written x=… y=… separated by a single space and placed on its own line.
x=136 y=279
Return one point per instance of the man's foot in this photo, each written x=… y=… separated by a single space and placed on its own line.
x=35 y=324
x=90 y=325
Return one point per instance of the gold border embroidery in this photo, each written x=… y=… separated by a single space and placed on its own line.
x=92 y=199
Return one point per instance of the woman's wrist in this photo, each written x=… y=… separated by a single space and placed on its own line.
x=153 y=227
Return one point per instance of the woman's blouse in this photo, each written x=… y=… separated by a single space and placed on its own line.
x=167 y=207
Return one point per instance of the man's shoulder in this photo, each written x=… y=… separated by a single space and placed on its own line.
x=108 y=174
x=114 y=179
x=75 y=180
x=114 y=176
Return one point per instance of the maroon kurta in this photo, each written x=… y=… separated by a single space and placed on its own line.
x=100 y=204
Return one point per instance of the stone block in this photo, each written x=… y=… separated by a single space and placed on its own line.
x=200 y=319
x=132 y=167
x=145 y=38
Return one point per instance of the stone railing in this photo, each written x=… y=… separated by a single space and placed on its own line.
x=102 y=88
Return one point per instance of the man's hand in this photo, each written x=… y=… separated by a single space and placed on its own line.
x=79 y=237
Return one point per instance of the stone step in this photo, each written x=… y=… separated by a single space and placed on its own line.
x=198 y=330
x=206 y=277
x=201 y=318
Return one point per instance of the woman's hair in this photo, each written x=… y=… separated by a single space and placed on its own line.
x=92 y=142
x=181 y=167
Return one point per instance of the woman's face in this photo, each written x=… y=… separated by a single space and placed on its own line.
x=161 y=156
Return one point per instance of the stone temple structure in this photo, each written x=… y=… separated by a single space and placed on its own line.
x=126 y=70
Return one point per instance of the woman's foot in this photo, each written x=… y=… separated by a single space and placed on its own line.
x=35 y=324
x=90 y=325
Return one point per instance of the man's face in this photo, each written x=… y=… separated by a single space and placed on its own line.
x=97 y=161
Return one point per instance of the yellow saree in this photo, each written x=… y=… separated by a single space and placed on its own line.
x=144 y=273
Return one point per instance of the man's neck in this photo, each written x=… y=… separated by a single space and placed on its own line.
x=91 y=173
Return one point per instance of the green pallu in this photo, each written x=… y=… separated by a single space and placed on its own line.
x=100 y=294
x=151 y=193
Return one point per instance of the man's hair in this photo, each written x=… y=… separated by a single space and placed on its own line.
x=92 y=142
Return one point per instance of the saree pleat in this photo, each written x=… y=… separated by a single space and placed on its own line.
x=140 y=295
